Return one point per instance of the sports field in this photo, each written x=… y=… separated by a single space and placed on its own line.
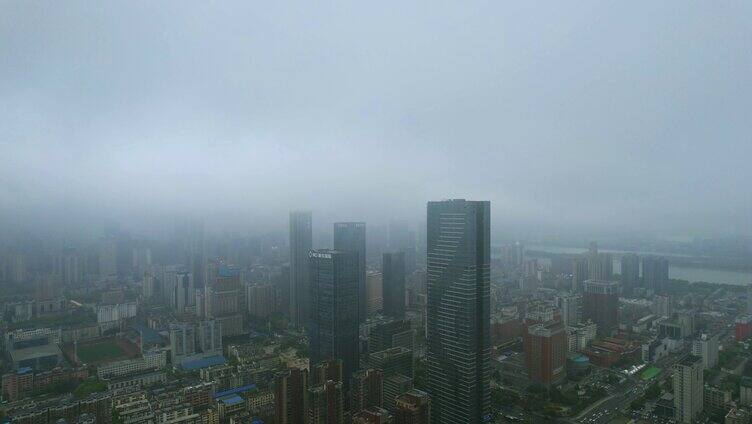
x=649 y=373
x=100 y=352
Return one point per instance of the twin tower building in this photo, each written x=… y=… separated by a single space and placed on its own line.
x=328 y=297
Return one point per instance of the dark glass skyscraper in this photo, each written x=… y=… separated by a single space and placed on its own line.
x=630 y=272
x=393 y=270
x=333 y=328
x=301 y=235
x=351 y=237
x=655 y=273
x=459 y=346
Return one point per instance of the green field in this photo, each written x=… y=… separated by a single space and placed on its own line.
x=99 y=352
x=649 y=373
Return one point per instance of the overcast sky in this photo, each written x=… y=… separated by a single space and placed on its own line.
x=621 y=115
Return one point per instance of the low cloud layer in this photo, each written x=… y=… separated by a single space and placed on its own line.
x=623 y=116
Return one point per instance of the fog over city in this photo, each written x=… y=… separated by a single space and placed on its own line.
x=622 y=117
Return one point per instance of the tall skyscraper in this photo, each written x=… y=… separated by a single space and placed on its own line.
x=223 y=297
x=402 y=239
x=579 y=273
x=182 y=341
x=601 y=304
x=630 y=272
x=688 y=387
x=374 y=292
x=301 y=236
x=108 y=257
x=706 y=347
x=326 y=404
x=333 y=327
x=655 y=273
x=545 y=346
x=185 y=291
x=197 y=252
x=593 y=248
x=291 y=396
x=458 y=330
x=393 y=265
x=367 y=390
x=601 y=267
x=571 y=309
x=351 y=237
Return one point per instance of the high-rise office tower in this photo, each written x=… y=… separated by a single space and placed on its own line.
x=688 y=389
x=601 y=267
x=328 y=369
x=186 y=294
x=593 y=248
x=601 y=305
x=374 y=292
x=333 y=327
x=397 y=366
x=630 y=272
x=402 y=239
x=413 y=407
x=396 y=360
x=182 y=341
x=190 y=248
x=545 y=346
x=655 y=273
x=706 y=347
x=393 y=270
x=326 y=404
x=261 y=300
x=210 y=337
x=351 y=237
x=579 y=273
x=291 y=396
x=570 y=307
x=391 y=333
x=223 y=295
x=367 y=389
x=458 y=330
x=108 y=257
x=301 y=236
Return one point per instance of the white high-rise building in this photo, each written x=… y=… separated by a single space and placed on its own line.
x=706 y=347
x=571 y=309
x=688 y=385
x=662 y=305
x=210 y=337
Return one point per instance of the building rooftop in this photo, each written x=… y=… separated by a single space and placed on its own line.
x=231 y=400
x=195 y=364
x=235 y=391
x=689 y=360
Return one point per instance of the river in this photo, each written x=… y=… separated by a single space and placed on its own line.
x=692 y=274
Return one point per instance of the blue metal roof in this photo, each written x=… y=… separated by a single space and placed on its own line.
x=195 y=364
x=236 y=390
x=231 y=400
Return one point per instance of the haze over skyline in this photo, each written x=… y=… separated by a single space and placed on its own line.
x=597 y=116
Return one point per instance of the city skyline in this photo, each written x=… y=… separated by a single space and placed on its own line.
x=222 y=212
